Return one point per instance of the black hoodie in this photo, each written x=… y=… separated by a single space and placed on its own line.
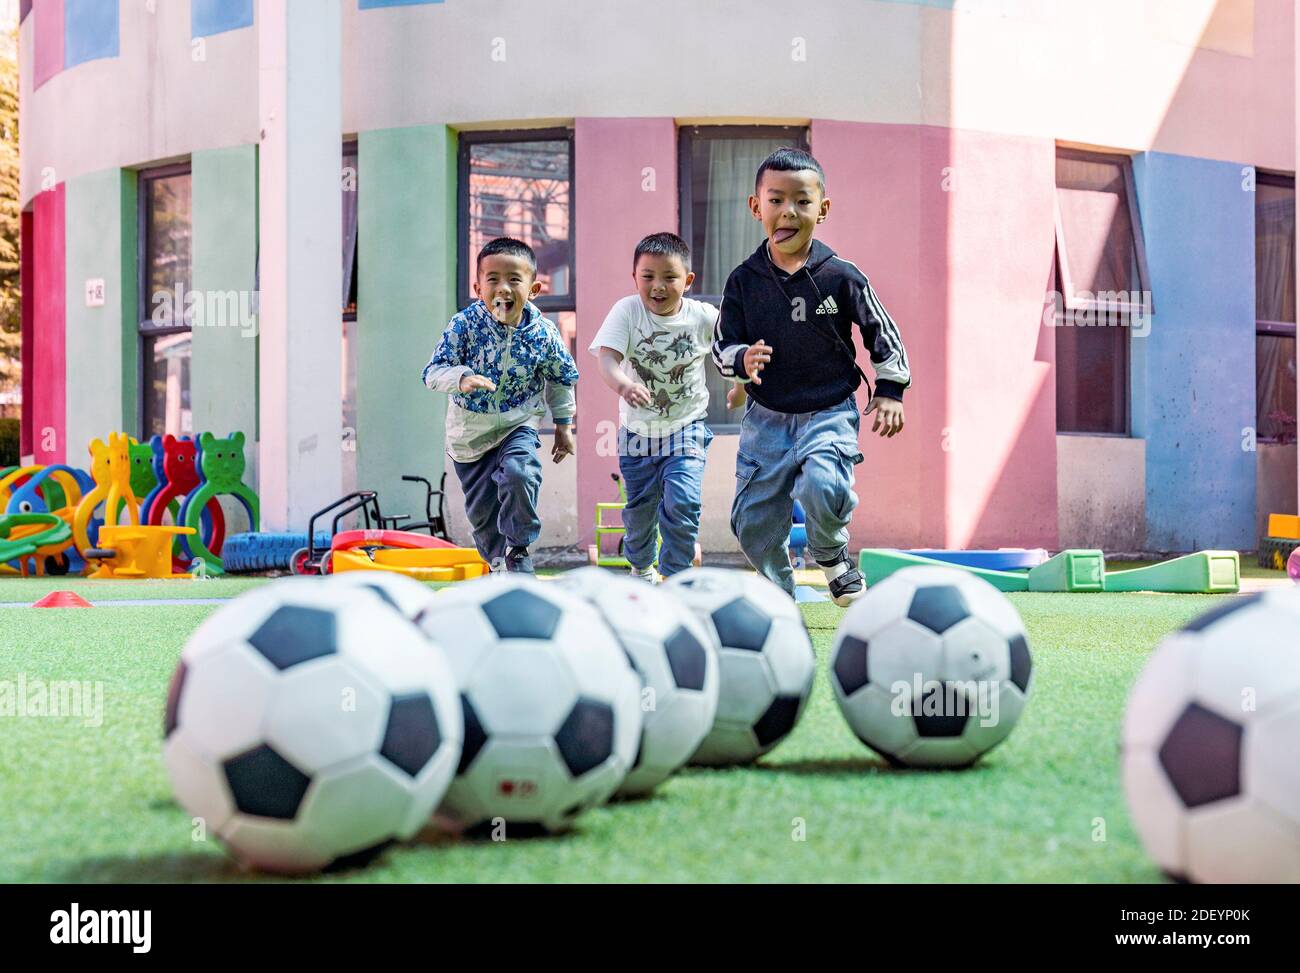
x=799 y=315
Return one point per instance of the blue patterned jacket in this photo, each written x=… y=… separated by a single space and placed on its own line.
x=529 y=364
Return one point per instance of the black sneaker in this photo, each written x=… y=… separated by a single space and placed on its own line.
x=519 y=561
x=846 y=587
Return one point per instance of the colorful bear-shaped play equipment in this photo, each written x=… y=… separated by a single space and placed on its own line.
x=174 y=464
x=221 y=472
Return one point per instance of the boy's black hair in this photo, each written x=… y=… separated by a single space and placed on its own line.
x=510 y=247
x=663 y=245
x=786 y=159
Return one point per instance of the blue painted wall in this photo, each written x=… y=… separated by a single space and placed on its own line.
x=90 y=30
x=1193 y=377
x=375 y=4
x=208 y=17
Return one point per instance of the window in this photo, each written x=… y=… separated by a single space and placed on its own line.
x=165 y=305
x=519 y=184
x=717 y=166
x=1101 y=285
x=1275 y=324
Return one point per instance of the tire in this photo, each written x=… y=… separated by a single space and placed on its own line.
x=247 y=553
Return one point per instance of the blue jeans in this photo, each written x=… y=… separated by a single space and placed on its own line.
x=664 y=479
x=808 y=456
x=501 y=490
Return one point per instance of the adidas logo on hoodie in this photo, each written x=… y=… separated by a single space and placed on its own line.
x=828 y=306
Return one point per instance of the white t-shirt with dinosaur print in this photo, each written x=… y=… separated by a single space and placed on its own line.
x=667 y=356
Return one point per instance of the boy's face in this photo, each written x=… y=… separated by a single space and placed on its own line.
x=505 y=284
x=789 y=205
x=661 y=280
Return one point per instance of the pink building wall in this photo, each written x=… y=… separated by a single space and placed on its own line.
x=47 y=60
x=25 y=275
x=1001 y=383
x=883 y=220
x=48 y=403
x=625 y=188
x=954 y=229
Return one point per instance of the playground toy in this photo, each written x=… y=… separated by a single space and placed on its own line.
x=174 y=468
x=385 y=551
x=110 y=468
x=597 y=553
x=382 y=545
x=1284 y=525
x=31 y=534
x=1283 y=537
x=221 y=472
x=1204 y=572
x=798 y=537
x=134 y=551
x=48 y=490
x=1002 y=559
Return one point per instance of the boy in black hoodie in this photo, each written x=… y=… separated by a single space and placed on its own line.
x=786 y=332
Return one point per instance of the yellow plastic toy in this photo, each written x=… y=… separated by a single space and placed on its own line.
x=132 y=551
x=422 y=564
x=110 y=468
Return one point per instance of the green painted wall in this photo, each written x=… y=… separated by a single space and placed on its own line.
x=101 y=341
x=223 y=372
x=406 y=293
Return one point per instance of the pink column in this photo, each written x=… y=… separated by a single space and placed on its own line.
x=48 y=296
x=47 y=59
x=954 y=230
x=889 y=217
x=28 y=341
x=1002 y=372
x=625 y=188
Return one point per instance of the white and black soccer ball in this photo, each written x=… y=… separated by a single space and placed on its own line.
x=766 y=661
x=678 y=663
x=551 y=702
x=1211 y=734
x=411 y=598
x=931 y=667
x=308 y=726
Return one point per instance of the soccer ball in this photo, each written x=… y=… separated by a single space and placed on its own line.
x=551 y=702
x=766 y=661
x=1210 y=739
x=308 y=725
x=678 y=664
x=931 y=667
x=408 y=596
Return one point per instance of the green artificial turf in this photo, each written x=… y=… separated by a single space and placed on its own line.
x=89 y=804
x=28 y=590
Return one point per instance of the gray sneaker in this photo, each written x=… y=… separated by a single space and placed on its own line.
x=519 y=561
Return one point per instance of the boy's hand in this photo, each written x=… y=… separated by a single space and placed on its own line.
x=757 y=356
x=468 y=383
x=563 y=442
x=736 y=395
x=889 y=415
x=637 y=395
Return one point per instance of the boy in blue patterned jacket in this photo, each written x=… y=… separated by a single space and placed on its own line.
x=499 y=359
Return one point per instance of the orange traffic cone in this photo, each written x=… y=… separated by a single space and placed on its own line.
x=62 y=599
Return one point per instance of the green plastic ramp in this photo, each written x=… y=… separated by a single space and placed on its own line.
x=1073 y=570
x=1202 y=573
x=876 y=564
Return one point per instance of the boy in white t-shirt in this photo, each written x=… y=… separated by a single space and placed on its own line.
x=651 y=350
